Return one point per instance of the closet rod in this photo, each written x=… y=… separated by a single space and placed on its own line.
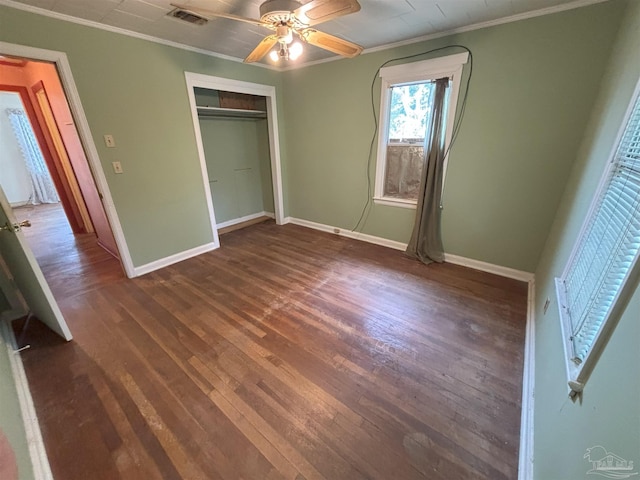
x=230 y=112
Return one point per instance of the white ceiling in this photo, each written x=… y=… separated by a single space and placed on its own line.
x=378 y=23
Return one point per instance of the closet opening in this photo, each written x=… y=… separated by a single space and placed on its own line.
x=235 y=138
x=236 y=130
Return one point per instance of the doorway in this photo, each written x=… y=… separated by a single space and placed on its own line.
x=198 y=83
x=84 y=144
x=70 y=224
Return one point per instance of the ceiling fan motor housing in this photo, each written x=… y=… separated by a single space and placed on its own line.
x=284 y=34
x=278 y=11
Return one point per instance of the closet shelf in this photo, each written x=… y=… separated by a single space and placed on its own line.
x=230 y=112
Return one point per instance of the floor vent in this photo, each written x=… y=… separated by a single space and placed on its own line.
x=187 y=16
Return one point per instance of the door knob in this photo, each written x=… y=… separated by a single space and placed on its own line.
x=16 y=227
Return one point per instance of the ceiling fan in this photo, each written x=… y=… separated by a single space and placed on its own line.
x=288 y=17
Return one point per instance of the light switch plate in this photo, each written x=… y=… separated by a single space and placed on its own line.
x=117 y=167
x=109 y=141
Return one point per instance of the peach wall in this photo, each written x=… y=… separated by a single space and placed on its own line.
x=46 y=73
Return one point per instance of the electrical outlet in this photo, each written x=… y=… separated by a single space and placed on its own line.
x=117 y=167
x=546 y=306
x=109 y=141
x=336 y=230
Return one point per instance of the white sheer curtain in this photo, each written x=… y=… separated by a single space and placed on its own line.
x=43 y=188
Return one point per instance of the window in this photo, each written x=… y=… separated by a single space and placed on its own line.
x=405 y=110
x=603 y=266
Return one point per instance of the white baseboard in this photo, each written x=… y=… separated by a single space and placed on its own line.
x=525 y=462
x=37 y=451
x=489 y=267
x=449 y=258
x=246 y=218
x=347 y=233
x=170 y=260
x=179 y=257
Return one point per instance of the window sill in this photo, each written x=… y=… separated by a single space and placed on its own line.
x=575 y=379
x=394 y=202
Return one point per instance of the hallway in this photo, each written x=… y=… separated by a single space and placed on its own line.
x=71 y=264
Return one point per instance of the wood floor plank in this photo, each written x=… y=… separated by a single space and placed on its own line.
x=171 y=445
x=287 y=353
x=131 y=459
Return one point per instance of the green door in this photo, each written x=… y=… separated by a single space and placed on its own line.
x=26 y=272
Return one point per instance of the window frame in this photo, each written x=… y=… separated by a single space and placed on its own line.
x=416 y=72
x=578 y=374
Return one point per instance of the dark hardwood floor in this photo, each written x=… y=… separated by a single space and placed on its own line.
x=287 y=353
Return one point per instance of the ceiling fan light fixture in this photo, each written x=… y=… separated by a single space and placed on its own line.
x=286 y=52
x=295 y=51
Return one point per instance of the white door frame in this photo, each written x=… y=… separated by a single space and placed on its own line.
x=237 y=86
x=82 y=126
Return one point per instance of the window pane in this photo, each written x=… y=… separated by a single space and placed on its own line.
x=410 y=107
x=409 y=114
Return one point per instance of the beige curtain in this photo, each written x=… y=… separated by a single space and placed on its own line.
x=426 y=239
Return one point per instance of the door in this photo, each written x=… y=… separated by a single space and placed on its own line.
x=27 y=274
x=61 y=152
x=78 y=166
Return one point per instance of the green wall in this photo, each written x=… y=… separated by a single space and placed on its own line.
x=136 y=91
x=4 y=303
x=609 y=413
x=238 y=164
x=533 y=86
x=238 y=160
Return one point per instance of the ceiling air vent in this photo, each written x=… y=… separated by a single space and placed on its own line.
x=187 y=16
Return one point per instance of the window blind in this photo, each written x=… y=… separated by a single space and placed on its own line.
x=609 y=246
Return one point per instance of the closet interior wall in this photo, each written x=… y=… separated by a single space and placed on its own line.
x=235 y=138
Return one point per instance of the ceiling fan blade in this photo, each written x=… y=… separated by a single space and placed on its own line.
x=331 y=43
x=210 y=13
x=318 y=11
x=261 y=50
